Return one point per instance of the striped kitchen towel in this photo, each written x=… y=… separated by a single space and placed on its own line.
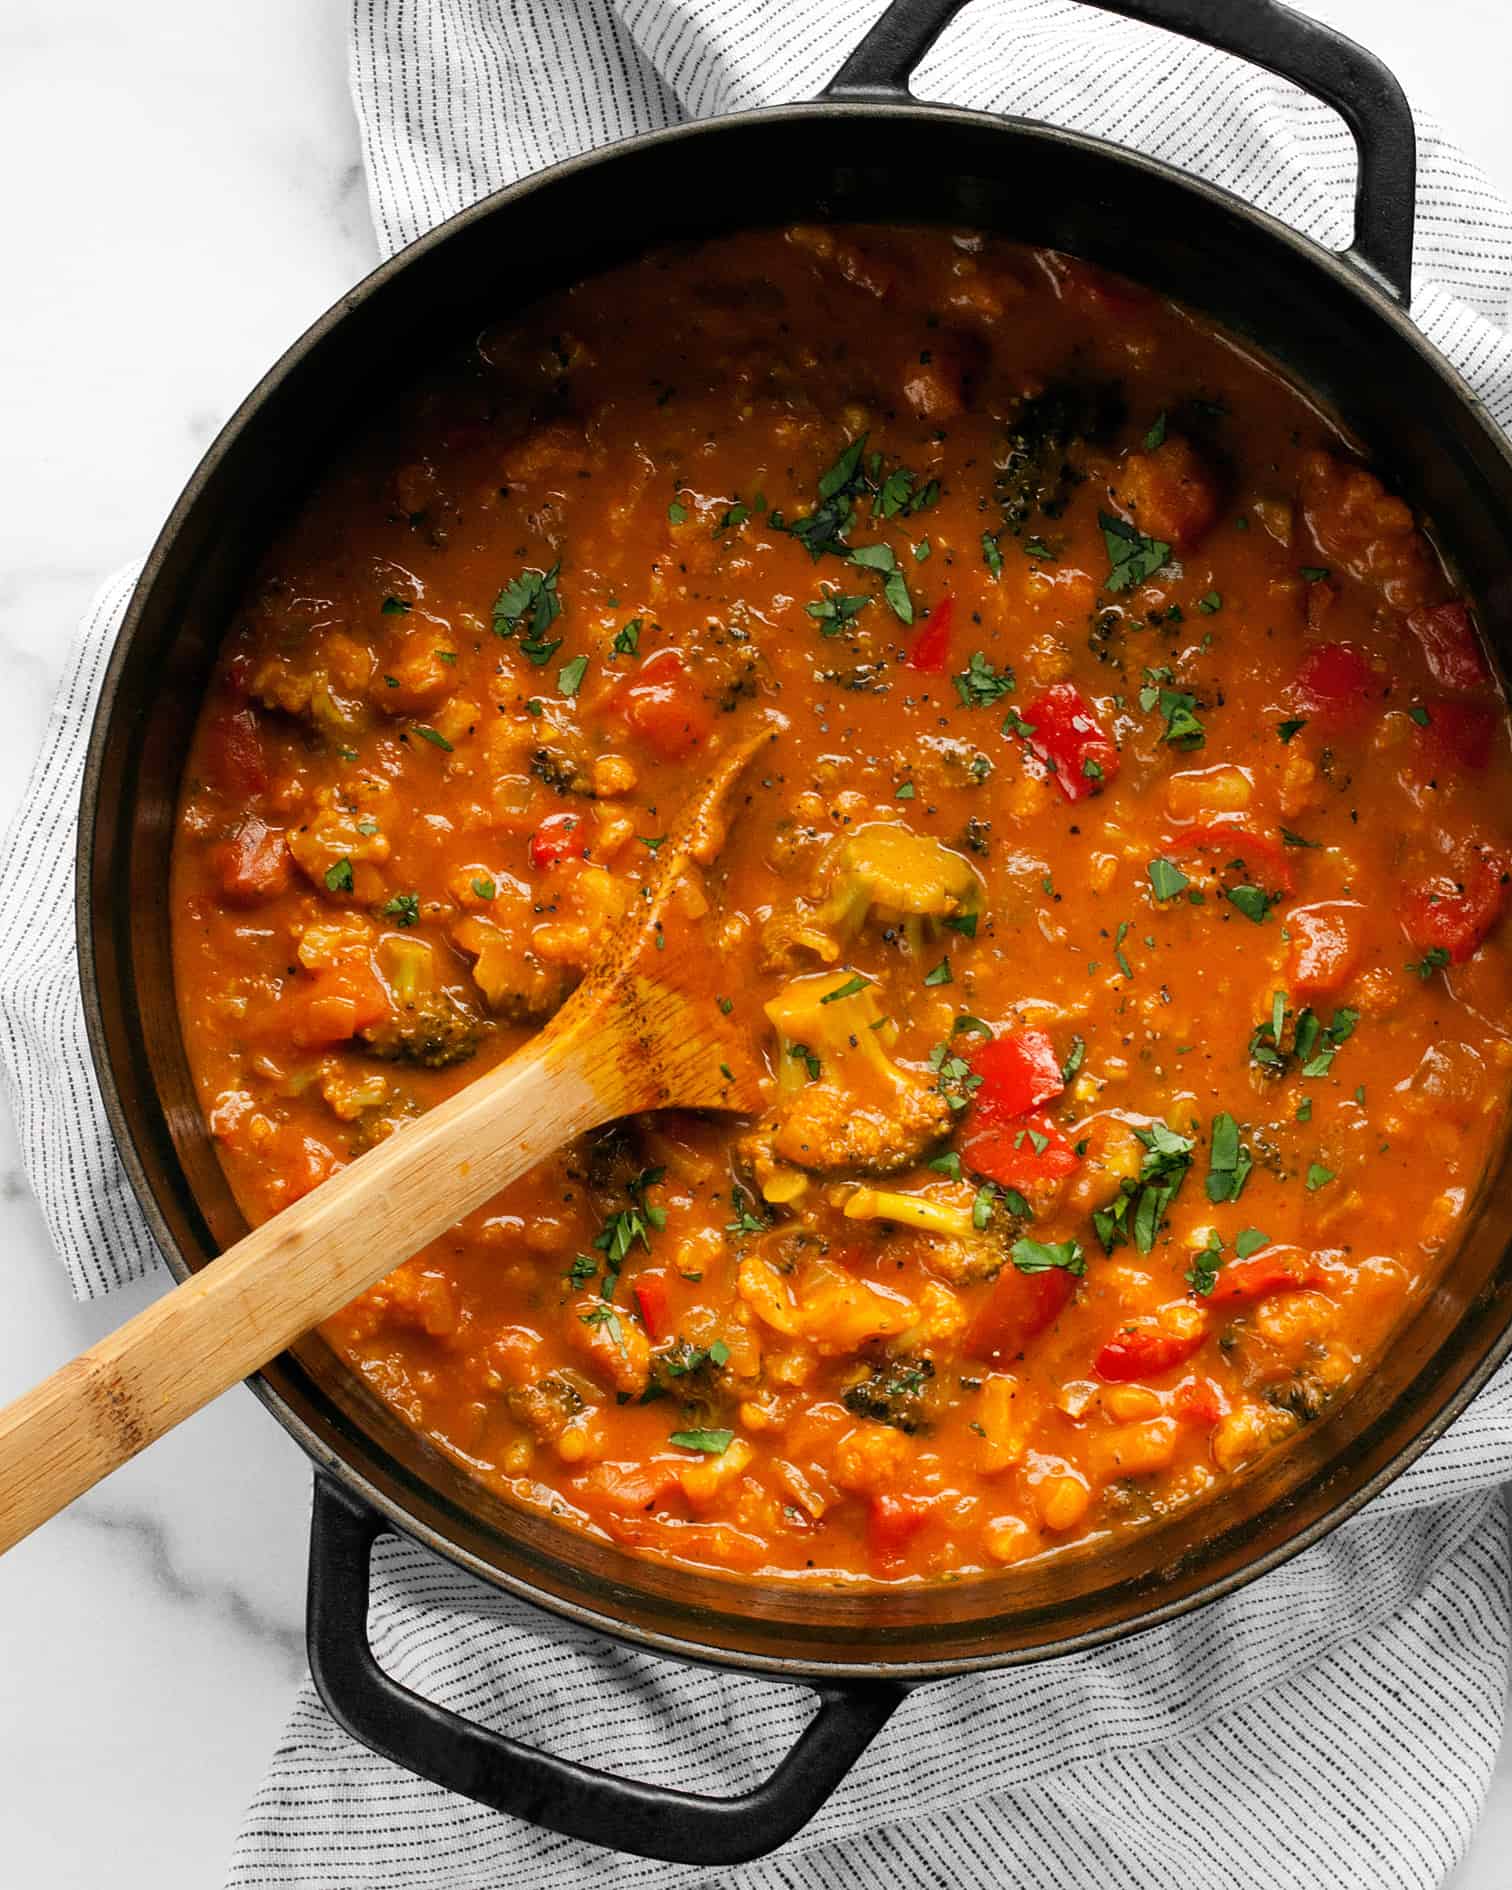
x=1336 y=1722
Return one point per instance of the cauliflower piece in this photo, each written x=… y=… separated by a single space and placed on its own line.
x=823 y=1304
x=515 y=983
x=883 y=871
x=841 y=1101
x=343 y=843
x=617 y=1349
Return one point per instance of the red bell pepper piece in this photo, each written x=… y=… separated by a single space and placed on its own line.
x=1235 y=841
x=1018 y=1151
x=1067 y=737
x=234 y=753
x=1019 y=1306
x=930 y=649
x=1335 y=680
x=1325 y=945
x=1144 y=1348
x=892 y=1522
x=1450 y=646
x=1274 y=1270
x=1461 y=733
x=662 y=703
x=1442 y=914
x=650 y=1291
x=556 y=840
x=253 y=864
x=1018 y=1071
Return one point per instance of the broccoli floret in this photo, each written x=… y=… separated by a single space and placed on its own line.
x=883 y=872
x=842 y=1102
x=428 y=1025
x=893 y=1394
x=970 y=1243
x=1036 y=474
x=1302 y=1394
x=434 y=1031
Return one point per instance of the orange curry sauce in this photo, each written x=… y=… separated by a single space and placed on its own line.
x=1120 y=914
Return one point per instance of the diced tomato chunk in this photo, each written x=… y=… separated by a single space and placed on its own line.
x=651 y=1297
x=662 y=703
x=930 y=649
x=1099 y=290
x=254 y=864
x=1198 y=1401
x=233 y=752
x=1068 y=738
x=1335 y=680
x=301 y=1163
x=339 y=1003
x=1018 y=1151
x=556 y=839
x=892 y=1522
x=715 y=1544
x=1019 y=1306
x=1325 y=946
x=1146 y=1347
x=1273 y=1270
x=1233 y=840
x=626 y=1487
x=1443 y=914
x=1461 y=733
x=1018 y=1071
x=1450 y=646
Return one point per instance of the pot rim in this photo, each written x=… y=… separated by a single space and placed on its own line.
x=1307 y=254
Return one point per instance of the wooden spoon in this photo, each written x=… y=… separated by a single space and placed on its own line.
x=642 y=1031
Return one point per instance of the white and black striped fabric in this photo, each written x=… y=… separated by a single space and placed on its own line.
x=1335 y=1723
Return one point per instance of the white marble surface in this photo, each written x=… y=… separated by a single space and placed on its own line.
x=184 y=195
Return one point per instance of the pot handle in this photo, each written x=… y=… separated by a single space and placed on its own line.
x=576 y=1800
x=1263 y=32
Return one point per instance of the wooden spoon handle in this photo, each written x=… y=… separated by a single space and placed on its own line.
x=91 y=1415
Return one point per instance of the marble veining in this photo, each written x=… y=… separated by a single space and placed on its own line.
x=186 y=195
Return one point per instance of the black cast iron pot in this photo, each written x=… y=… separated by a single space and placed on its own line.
x=865 y=150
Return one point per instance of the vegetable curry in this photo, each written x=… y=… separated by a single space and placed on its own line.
x=1119 y=912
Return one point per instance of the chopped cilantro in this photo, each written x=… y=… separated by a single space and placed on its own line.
x=852 y=985
x=1132 y=555
x=1041 y=1256
x=338 y=878
x=1432 y=960
x=528 y=603
x=1252 y=902
x=433 y=736
x=982 y=682
x=1318 y=1177
x=627 y=641
x=1229 y=1164
x=570 y=675
x=403 y=909
x=1166 y=880
x=941 y=973
x=711 y=1443
x=835 y=610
